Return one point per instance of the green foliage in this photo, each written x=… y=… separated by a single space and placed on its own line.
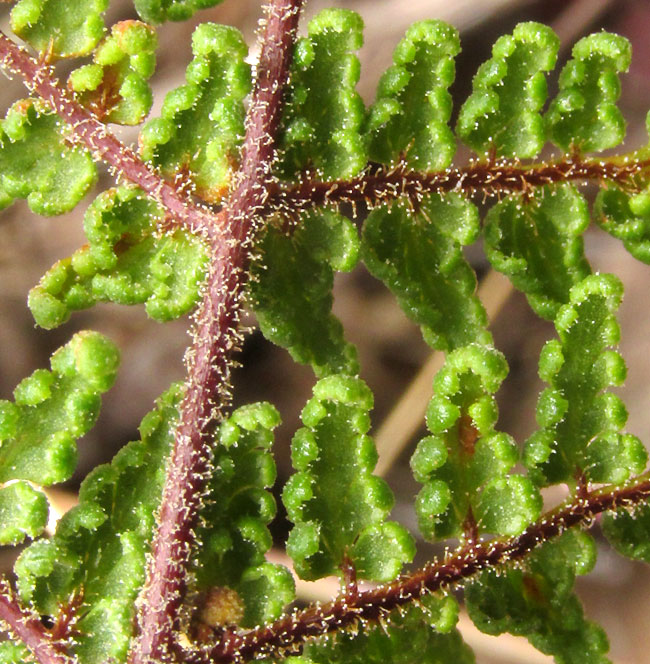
x=125 y=261
x=202 y=123
x=420 y=215
x=423 y=634
x=337 y=506
x=51 y=28
x=159 y=11
x=464 y=464
x=419 y=257
x=23 y=512
x=13 y=653
x=38 y=164
x=410 y=116
x=324 y=114
x=627 y=218
x=53 y=408
x=233 y=538
x=629 y=533
x=501 y=117
x=38 y=431
x=302 y=265
x=115 y=84
x=537 y=242
x=96 y=559
x=584 y=115
x=537 y=602
x=580 y=424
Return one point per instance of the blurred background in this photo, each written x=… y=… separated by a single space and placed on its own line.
x=395 y=361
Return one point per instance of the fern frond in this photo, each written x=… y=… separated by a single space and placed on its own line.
x=115 y=85
x=197 y=138
x=55 y=31
x=126 y=261
x=324 y=115
x=303 y=265
x=418 y=255
x=164 y=558
x=537 y=241
x=337 y=506
x=94 y=565
x=584 y=115
x=37 y=162
x=580 y=438
x=234 y=537
x=409 y=117
x=465 y=464
x=502 y=115
x=39 y=430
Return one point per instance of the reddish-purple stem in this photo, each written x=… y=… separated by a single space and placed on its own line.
x=289 y=633
x=87 y=130
x=488 y=178
x=215 y=337
x=27 y=628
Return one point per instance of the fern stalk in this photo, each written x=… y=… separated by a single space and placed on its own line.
x=28 y=628
x=215 y=337
x=229 y=234
x=488 y=178
x=350 y=611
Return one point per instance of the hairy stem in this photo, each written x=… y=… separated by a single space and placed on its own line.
x=28 y=629
x=216 y=336
x=488 y=178
x=289 y=633
x=86 y=129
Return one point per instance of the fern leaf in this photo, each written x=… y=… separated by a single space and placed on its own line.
x=23 y=512
x=291 y=290
x=537 y=242
x=38 y=431
x=409 y=119
x=629 y=533
x=53 y=408
x=403 y=639
x=37 y=163
x=580 y=434
x=337 y=505
x=125 y=261
x=584 y=115
x=234 y=537
x=14 y=653
x=94 y=565
x=419 y=257
x=627 y=218
x=115 y=85
x=502 y=115
x=202 y=123
x=324 y=113
x=159 y=11
x=51 y=28
x=464 y=465
x=537 y=602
